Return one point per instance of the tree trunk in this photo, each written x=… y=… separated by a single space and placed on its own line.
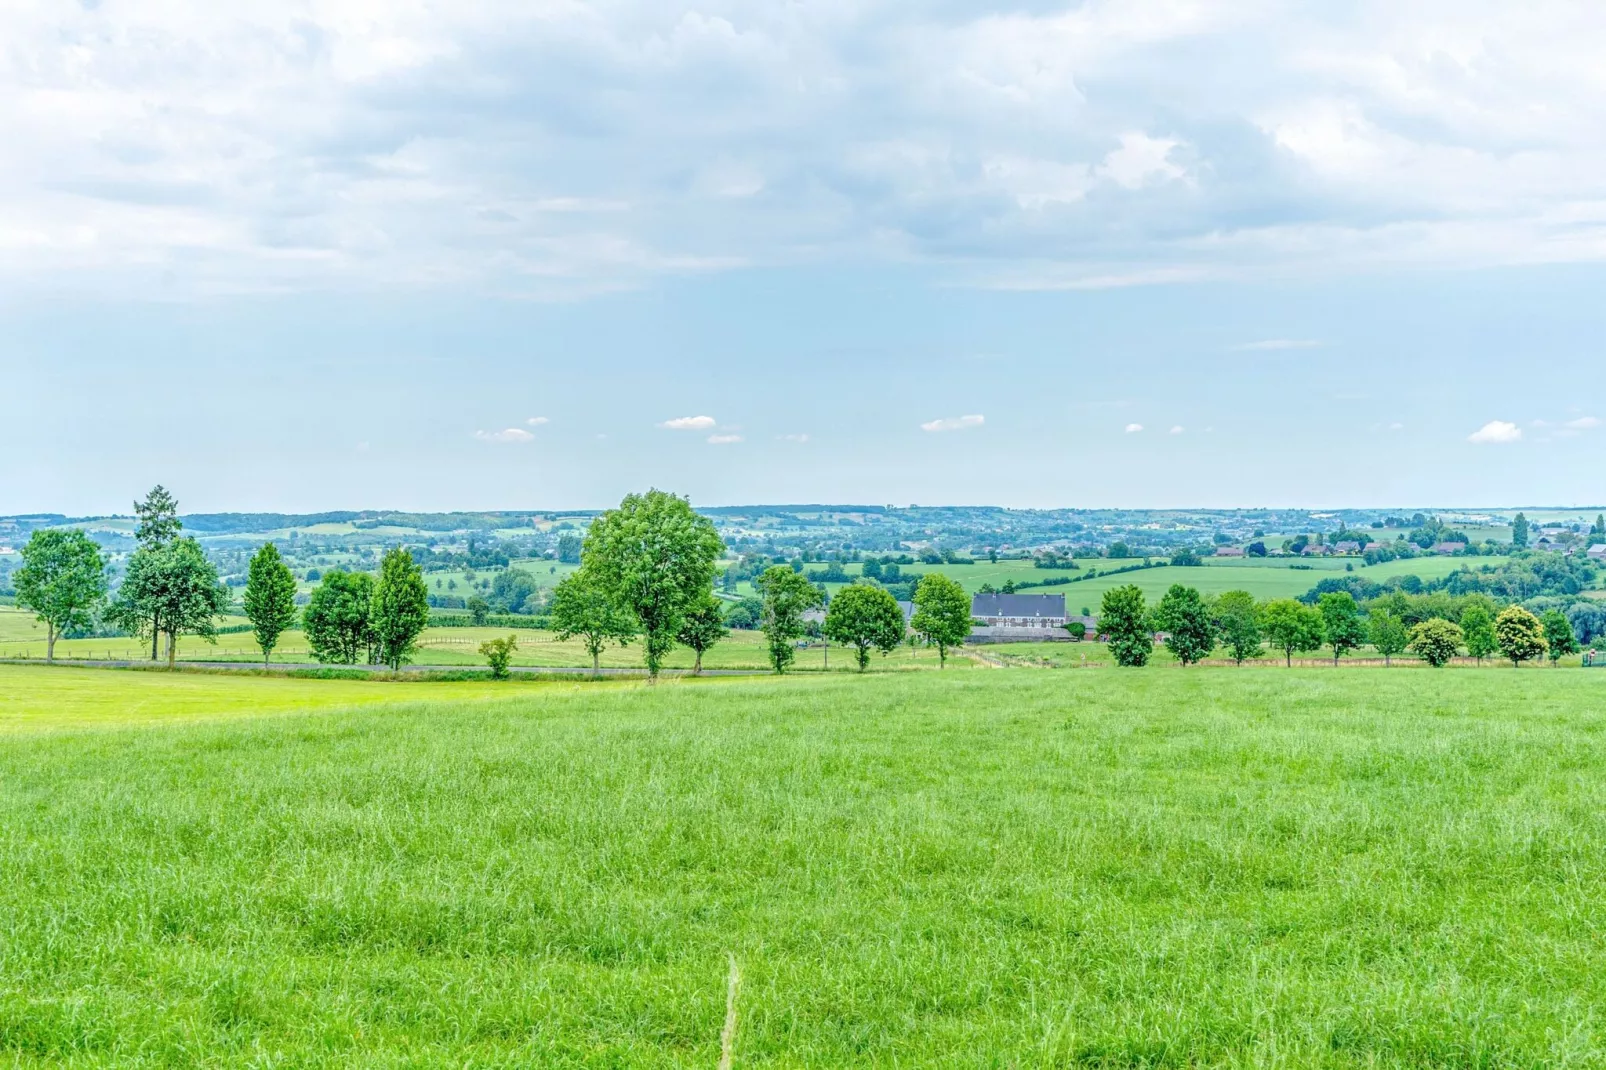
x=172 y=648
x=1288 y=655
x=156 y=632
x=596 y=663
x=50 y=642
x=697 y=669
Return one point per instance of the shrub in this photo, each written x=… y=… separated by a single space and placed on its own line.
x=499 y=653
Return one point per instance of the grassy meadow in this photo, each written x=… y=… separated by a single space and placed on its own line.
x=1001 y=868
x=1275 y=577
x=22 y=637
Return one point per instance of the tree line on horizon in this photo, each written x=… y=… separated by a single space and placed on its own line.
x=1192 y=627
x=646 y=573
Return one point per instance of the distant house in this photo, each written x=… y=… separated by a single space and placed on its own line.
x=1347 y=546
x=1019 y=610
x=1229 y=551
x=1449 y=547
x=1550 y=545
x=1313 y=549
x=1596 y=552
x=1373 y=546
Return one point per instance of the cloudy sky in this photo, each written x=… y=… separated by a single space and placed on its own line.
x=297 y=254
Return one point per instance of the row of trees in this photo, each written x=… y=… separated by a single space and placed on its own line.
x=1194 y=626
x=169 y=588
x=647 y=573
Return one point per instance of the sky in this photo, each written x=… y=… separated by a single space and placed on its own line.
x=320 y=254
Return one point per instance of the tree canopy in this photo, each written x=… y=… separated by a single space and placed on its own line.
x=1190 y=629
x=1124 y=620
x=336 y=619
x=400 y=609
x=865 y=618
x=582 y=608
x=270 y=598
x=942 y=613
x=62 y=580
x=1520 y=634
x=1292 y=627
x=787 y=595
x=654 y=557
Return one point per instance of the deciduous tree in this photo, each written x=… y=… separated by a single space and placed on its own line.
x=1292 y=627
x=63 y=580
x=1436 y=641
x=1521 y=636
x=1388 y=634
x=654 y=557
x=1558 y=635
x=787 y=595
x=1124 y=620
x=942 y=613
x=401 y=608
x=866 y=618
x=270 y=598
x=702 y=627
x=1477 y=632
x=1190 y=630
x=582 y=608
x=498 y=654
x=479 y=610
x=1238 y=625
x=336 y=619
x=174 y=590
x=1342 y=624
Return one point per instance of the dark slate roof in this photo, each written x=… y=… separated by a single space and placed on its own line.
x=1017 y=605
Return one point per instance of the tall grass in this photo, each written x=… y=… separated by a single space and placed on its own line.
x=1203 y=868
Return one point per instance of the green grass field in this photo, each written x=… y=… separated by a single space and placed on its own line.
x=1000 y=869
x=1276 y=577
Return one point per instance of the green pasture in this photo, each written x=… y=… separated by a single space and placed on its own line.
x=1203 y=868
x=1271 y=577
x=35 y=697
x=22 y=637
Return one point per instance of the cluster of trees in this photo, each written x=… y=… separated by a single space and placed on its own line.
x=1194 y=626
x=351 y=616
x=169 y=589
x=647 y=571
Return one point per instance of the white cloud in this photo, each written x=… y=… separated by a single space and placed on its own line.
x=257 y=146
x=723 y=440
x=793 y=438
x=510 y=435
x=537 y=421
x=1133 y=429
x=1141 y=159
x=1177 y=430
x=1496 y=432
x=1274 y=344
x=688 y=423
x=954 y=423
x=1583 y=423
